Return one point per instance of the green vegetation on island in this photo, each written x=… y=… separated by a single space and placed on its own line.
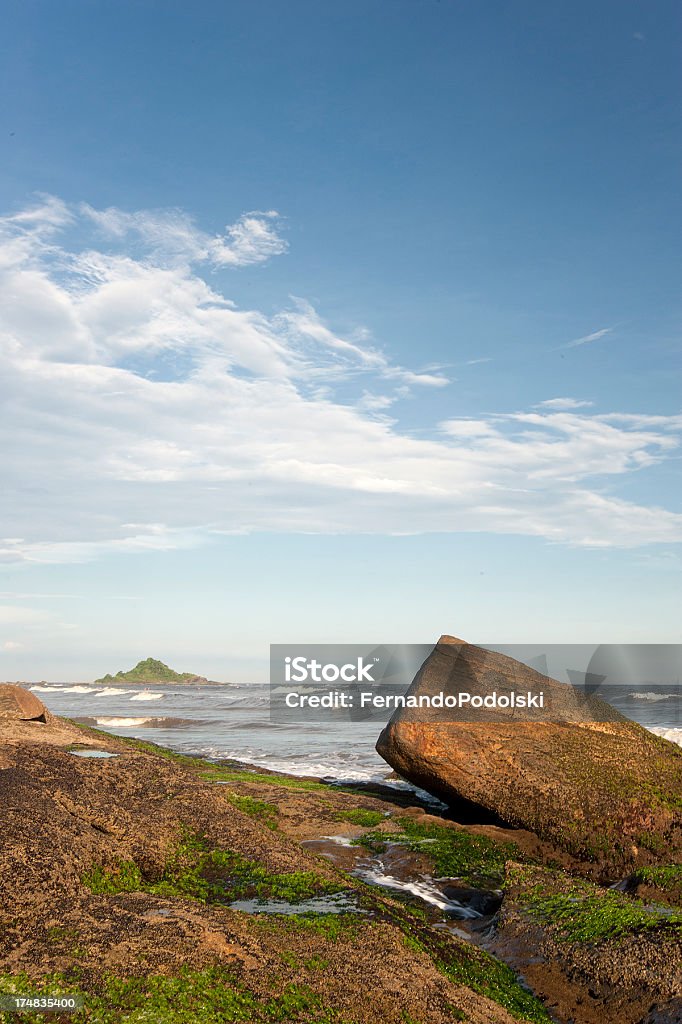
x=151 y=671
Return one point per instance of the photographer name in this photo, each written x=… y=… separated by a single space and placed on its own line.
x=368 y=699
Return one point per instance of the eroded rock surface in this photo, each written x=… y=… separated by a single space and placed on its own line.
x=594 y=954
x=125 y=868
x=597 y=785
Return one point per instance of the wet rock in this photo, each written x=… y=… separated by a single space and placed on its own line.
x=590 y=952
x=671 y=1013
x=484 y=901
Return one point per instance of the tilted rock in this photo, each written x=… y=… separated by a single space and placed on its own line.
x=592 y=782
x=20 y=704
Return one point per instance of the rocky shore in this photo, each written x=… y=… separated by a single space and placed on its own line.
x=177 y=890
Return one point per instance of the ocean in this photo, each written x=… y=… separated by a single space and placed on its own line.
x=232 y=720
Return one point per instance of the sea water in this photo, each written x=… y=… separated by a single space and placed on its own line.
x=232 y=720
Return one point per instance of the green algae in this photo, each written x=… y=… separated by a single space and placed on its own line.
x=466 y=964
x=261 y=809
x=583 y=914
x=217 y=773
x=331 y=927
x=195 y=871
x=210 y=996
x=663 y=876
x=475 y=859
x=361 y=816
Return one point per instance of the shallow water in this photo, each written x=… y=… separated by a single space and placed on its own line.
x=92 y=753
x=339 y=903
x=401 y=873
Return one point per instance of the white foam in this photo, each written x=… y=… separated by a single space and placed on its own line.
x=674 y=735
x=123 y=723
x=144 y=695
x=340 y=840
x=109 y=691
x=293 y=766
x=323 y=770
x=653 y=696
x=248 y=702
x=424 y=889
x=333 y=771
x=76 y=688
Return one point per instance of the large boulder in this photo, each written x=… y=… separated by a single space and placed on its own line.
x=593 y=783
x=20 y=704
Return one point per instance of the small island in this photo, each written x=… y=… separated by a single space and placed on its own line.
x=153 y=671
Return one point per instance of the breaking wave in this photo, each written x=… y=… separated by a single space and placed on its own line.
x=75 y=688
x=653 y=696
x=674 y=735
x=123 y=722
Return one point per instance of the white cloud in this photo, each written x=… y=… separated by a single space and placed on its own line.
x=26 y=625
x=153 y=537
x=322 y=352
x=563 y=403
x=144 y=411
x=172 y=235
x=587 y=338
x=47 y=215
x=431 y=380
x=16 y=615
x=252 y=239
x=467 y=428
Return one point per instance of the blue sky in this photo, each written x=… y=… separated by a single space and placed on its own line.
x=342 y=322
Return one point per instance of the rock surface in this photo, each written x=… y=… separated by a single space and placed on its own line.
x=604 y=790
x=20 y=704
x=101 y=864
x=569 y=940
x=103 y=861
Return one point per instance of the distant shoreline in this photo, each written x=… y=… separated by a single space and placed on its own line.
x=155 y=682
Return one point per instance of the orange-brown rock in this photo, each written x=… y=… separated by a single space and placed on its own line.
x=20 y=704
x=594 y=783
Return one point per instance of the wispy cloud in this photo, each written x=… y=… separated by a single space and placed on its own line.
x=171 y=234
x=322 y=352
x=587 y=338
x=563 y=403
x=147 y=412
